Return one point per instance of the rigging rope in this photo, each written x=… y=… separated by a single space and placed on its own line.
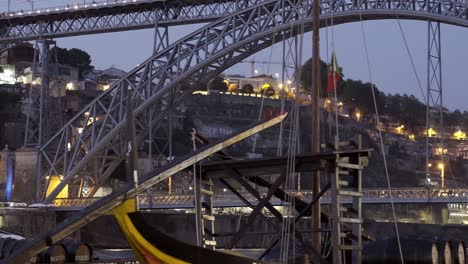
x=411 y=59
x=382 y=149
x=254 y=145
x=288 y=224
x=195 y=193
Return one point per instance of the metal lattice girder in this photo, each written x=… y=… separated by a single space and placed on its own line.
x=133 y=16
x=104 y=205
x=181 y=67
x=434 y=102
x=39 y=94
x=121 y=17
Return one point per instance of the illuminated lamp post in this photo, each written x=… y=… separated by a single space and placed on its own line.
x=442 y=174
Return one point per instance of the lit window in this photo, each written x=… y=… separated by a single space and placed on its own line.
x=70 y=86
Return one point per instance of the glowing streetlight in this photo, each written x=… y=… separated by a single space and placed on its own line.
x=431 y=132
x=442 y=173
x=400 y=129
x=460 y=135
x=358 y=116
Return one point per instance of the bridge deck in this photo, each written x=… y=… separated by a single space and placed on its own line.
x=370 y=196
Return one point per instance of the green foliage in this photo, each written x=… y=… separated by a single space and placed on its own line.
x=270 y=91
x=405 y=108
x=306 y=76
x=408 y=109
x=76 y=58
x=247 y=88
x=361 y=94
x=218 y=84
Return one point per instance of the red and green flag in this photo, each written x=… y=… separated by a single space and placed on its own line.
x=334 y=74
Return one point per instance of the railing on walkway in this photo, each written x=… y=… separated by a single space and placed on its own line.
x=383 y=196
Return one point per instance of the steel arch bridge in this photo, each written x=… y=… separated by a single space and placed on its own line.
x=94 y=19
x=175 y=72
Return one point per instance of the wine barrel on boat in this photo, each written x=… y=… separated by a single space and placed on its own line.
x=414 y=251
x=78 y=252
x=458 y=252
x=54 y=254
x=9 y=243
x=446 y=248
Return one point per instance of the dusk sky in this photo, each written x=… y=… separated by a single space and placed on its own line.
x=390 y=64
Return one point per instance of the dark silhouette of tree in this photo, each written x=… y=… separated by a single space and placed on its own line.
x=247 y=88
x=306 y=76
x=361 y=94
x=270 y=91
x=218 y=84
x=76 y=58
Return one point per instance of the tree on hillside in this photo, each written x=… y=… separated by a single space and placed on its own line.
x=306 y=76
x=218 y=84
x=361 y=94
x=413 y=112
x=76 y=58
x=247 y=88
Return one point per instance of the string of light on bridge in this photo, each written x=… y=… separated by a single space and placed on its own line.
x=72 y=7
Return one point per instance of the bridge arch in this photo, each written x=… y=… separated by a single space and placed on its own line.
x=174 y=72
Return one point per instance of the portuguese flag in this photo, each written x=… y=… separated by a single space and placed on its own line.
x=334 y=74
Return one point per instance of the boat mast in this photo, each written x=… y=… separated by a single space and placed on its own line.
x=316 y=118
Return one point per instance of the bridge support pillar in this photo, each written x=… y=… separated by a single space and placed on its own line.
x=43 y=111
x=434 y=102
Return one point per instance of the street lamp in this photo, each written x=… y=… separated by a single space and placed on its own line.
x=442 y=173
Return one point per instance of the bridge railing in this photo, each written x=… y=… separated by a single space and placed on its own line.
x=164 y=200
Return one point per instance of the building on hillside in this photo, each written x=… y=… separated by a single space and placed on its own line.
x=20 y=56
x=101 y=80
x=238 y=82
x=388 y=124
x=61 y=78
x=462 y=150
x=12 y=133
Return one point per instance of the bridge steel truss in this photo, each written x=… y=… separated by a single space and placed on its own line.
x=434 y=102
x=130 y=16
x=195 y=59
